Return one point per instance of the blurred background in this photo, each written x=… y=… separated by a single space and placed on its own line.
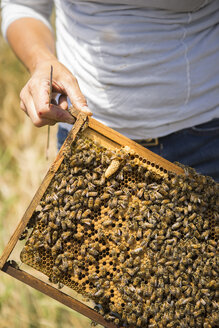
x=23 y=165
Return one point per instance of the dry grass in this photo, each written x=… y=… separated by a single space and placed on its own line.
x=22 y=168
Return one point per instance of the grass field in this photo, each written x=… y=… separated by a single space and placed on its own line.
x=22 y=168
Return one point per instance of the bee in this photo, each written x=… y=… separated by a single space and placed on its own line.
x=91 y=194
x=131 y=240
x=99 y=293
x=99 y=182
x=47 y=207
x=65 y=265
x=132 y=319
x=63 y=225
x=140 y=193
x=80 y=181
x=76 y=169
x=90 y=258
x=38 y=244
x=78 y=235
x=139 y=233
x=148 y=225
x=90 y=203
x=97 y=203
x=123 y=203
x=48 y=237
x=56 y=270
x=92 y=251
x=129 y=262
x=87 y=222
x=107 y=222
x=60 y=285
x=113 y=252
x=79 y=214
x=24 y=234
x=176 y=225
x=137 y=261
x=72 y=215
x=105 y=196
x=57 y=246
x=52 y=225
x=66 y=234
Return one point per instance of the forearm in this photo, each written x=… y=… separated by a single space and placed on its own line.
x=34 y=44
x=32 y=41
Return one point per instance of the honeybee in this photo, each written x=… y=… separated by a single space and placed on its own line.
x=99 y=293
x=123 y=203
x=66 y=234
x=38 y=244
x=56 y=270
x=92 y=194
x=120 y=175
x=90 y=203
x=147 y=225
x=99 y=182
x=47 y=207
x=87 y=222
x=129 y=262
x=131 y=240
x=90 y=258
x=52 y=225
x=122 y=257
x=93 y=251
x=57 y=246
x=105 y=196
x=132 y=319
x=78 y=235
x=79 y=214
x=97 y=203
x=91 y=186
x=140 y=193
x=24 y=234
x=107 y=222
x=65 y=264
x=72 y=215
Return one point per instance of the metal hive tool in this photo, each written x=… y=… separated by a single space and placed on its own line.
x=129 y=230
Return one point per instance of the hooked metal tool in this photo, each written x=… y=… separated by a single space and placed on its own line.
x=50 y=99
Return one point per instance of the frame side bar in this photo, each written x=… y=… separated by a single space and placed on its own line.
x=41 y=190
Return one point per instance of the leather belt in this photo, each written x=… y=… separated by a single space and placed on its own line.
x=148 y=142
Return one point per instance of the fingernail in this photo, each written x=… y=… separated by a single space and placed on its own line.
x=86 y=110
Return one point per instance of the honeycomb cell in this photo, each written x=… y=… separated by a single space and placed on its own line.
x=135 y=251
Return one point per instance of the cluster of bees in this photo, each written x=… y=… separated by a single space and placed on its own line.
x=136 y=239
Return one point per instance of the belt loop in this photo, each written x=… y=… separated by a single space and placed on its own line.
x=148 y=142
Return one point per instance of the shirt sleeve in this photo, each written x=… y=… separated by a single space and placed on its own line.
x=15 y=9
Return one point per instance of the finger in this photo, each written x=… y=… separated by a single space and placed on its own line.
x=46 y=111
x=23 y=107
x=29 y=108
x=59 y=115
x=77 y=98
x=62 y=102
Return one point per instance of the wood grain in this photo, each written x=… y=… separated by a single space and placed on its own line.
x=56 y=294
x=124 y=141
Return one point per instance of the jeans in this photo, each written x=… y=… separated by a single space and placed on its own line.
x=197 y=147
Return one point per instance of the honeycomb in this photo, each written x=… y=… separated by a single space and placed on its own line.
x=138 y=240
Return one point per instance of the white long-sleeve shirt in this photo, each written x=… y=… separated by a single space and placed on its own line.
x=146 y=67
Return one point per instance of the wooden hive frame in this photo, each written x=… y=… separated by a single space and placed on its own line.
x=108 y=138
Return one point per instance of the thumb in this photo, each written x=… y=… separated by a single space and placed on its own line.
x=77 y=98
